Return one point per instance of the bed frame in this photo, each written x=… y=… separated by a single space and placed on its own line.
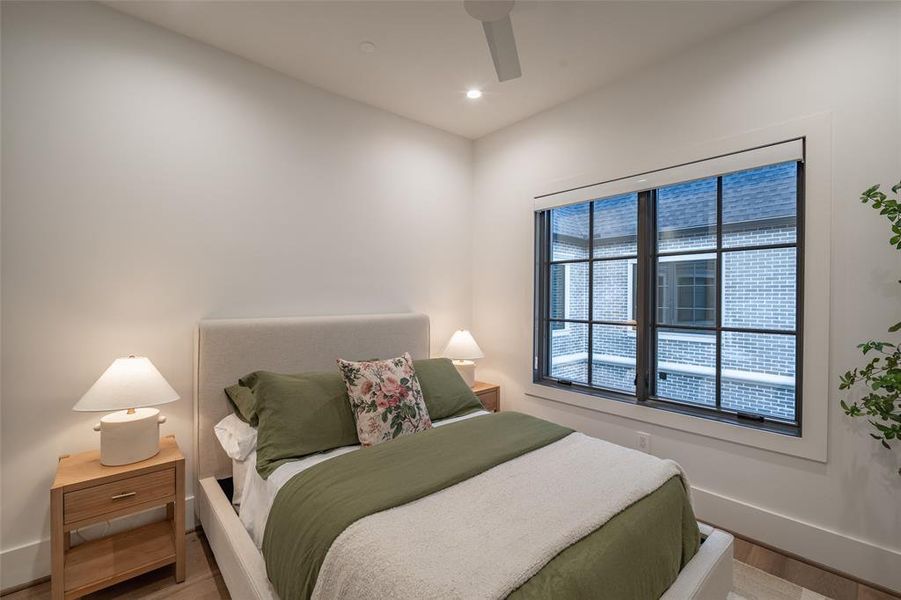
x=226 y=349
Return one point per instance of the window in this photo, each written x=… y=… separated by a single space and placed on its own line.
x=683 y=297
x=691 y=292
x=686 y=291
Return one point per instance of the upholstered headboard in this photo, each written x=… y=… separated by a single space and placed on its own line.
x=227 y=349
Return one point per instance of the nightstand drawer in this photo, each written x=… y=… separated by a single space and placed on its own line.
x=490 y=399
x=106 y=498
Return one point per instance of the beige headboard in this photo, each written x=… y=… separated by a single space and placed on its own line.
x=227 y=349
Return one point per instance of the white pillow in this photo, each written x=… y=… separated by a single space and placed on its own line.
x=240 y=469
x=237 y=438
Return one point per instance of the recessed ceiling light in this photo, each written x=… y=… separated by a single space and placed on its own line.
x=367 y=47
x=473 y=94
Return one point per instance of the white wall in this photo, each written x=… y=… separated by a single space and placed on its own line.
x=150 y=181
x=809 y=58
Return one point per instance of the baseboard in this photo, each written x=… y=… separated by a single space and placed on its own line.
x=30 y=563
x=845 y=554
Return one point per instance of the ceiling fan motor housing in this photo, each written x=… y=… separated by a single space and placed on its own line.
x=488 y=10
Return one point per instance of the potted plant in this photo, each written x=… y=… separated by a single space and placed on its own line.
x=881 y=376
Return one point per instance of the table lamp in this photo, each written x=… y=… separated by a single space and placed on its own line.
x=462 y=349
x=130 y=434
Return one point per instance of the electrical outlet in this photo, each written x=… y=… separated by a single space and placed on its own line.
x=644 y=442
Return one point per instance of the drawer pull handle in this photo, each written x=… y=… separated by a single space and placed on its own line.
x=123 y=495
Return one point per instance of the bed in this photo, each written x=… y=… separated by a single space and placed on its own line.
x=230 y=348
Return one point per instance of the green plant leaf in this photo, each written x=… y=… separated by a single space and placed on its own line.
x=881 y=376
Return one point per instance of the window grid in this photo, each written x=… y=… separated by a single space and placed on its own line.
x=646 y=314
x=590 y=321
x=718 y=329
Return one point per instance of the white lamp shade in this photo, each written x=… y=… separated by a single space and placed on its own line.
x=462 y=346
x=127 y=383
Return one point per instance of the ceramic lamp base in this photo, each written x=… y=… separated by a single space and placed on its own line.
x=467 y=370
x=129 y=437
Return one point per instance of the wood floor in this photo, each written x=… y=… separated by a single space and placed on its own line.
x=806 y=575
x=203 y=581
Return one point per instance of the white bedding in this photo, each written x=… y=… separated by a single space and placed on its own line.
x=546 y=509
x=259 y=494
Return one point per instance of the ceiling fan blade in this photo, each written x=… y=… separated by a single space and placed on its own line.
x=502 y=45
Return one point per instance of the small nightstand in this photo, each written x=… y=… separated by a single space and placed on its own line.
x=86 y=492
x=489 y=394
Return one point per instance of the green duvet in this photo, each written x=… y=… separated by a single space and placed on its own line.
x=636 y=555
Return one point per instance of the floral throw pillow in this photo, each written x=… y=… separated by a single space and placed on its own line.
x=385 y=397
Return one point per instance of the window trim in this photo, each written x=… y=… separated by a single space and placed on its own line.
x=815 y=131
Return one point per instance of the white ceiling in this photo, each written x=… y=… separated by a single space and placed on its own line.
x=429 y=52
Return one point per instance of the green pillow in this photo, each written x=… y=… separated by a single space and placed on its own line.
x=302 y=414
x=243 y=403
x=444 y=391
x=299 y=415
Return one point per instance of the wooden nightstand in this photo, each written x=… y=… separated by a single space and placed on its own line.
x=86 y=492
x=489 y=394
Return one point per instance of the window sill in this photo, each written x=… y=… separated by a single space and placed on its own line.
x=729 y=430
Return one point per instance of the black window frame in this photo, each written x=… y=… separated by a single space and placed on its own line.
x=645 y=312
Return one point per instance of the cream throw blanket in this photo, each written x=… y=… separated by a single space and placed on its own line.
x=486 y=536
